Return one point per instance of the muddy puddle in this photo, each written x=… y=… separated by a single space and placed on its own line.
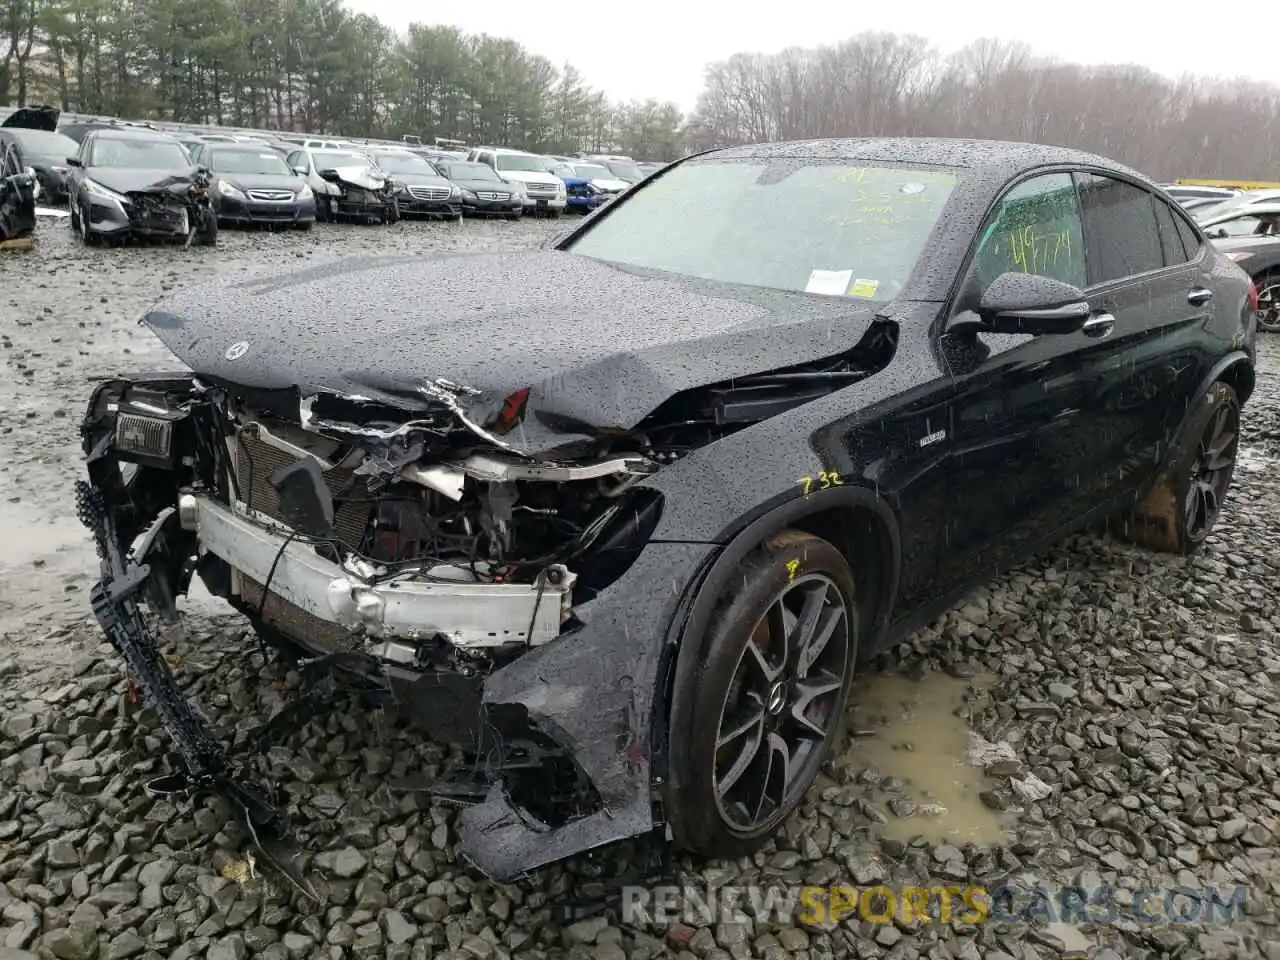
x=907 y=731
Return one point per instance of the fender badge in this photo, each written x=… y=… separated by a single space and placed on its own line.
x=237 y=350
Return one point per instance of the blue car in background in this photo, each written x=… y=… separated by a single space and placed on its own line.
x=580 y=195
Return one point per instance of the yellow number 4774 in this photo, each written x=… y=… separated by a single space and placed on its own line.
x=824 y=479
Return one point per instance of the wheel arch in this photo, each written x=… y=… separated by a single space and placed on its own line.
x=856 y=520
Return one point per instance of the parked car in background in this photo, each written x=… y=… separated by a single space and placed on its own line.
x=1259 y=256
x=346 y=184
x=647 y=168
x=420 y=188
x=1244 y=200
x=623 y=168
x=545 y=193
x=252 y=184
x=604 y=180
x=1238 y=220
x=1182 y=192
x=484 y=193
x=31 y=132
x=766 y=426
x=132 y=182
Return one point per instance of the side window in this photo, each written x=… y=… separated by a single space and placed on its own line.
x=297 y=159
x=1170 y=241
x=86 y=151
x=1120 y=224
x=1035 y=228
x=1190 y=241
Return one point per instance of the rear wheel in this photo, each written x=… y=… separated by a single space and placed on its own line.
x=1268 y=302
x=1177 y=514
x=767 y=696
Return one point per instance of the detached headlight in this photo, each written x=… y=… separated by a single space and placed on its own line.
x=228 y=191
x=98 y=190
x=305 y=193
x=1239 y=255
x=469 y=195
x=454 y=192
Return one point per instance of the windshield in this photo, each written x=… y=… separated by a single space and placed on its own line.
x=591 y=171
x=794 y=225
x=625 y=170
x=43 y=145
x=469 y=171
x=328 y=159
x=521 y=161
x=140 y=154
x=404 y=163
x=243 y=161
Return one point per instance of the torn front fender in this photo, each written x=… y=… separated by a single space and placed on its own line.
x=598 y=693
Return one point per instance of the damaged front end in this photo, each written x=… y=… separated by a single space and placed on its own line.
x=420 y=553
x=363 y=194
x=177 y=207
x=19 y=189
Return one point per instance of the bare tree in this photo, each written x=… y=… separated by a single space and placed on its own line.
x=876 y=84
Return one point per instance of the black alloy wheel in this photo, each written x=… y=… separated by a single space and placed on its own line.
x=1178 y=512
x=1211 y=468
x=761 y=695
x=783 y=704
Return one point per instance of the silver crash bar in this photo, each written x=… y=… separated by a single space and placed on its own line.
x=468 y=614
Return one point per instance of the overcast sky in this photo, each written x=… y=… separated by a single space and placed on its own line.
x=657 y=48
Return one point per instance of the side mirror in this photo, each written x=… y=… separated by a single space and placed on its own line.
x=74 y=162
x=1026 y=303
x=330 y=175
x=300 y=170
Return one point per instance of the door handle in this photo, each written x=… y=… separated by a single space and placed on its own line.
x=1199 y=296
x=1099 y=326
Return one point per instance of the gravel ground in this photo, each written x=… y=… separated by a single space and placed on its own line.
x=1140 y=691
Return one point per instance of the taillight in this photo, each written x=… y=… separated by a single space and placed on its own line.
x=1253 y=296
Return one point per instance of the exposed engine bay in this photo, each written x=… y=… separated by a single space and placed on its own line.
x=177 y=205
x=419 y=549
x=363 y=193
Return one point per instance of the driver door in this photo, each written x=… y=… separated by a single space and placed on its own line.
x=1019 y=433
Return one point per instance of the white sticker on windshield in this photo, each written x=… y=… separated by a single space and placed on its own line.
x=267 y=156
x=833 y=283
x=910 y=189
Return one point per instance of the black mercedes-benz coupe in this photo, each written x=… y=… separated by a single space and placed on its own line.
x=622 y=515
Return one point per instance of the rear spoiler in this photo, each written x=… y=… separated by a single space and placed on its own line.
x=1230 y=184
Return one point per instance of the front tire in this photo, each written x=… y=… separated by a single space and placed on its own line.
x=1178 y=513
x=207 y=236
x=767 y=696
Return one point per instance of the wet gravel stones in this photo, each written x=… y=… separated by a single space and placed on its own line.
x=1135 y=695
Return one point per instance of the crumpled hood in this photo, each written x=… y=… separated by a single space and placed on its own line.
x=128 y=179
x=358 y=176
x=595 y=343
